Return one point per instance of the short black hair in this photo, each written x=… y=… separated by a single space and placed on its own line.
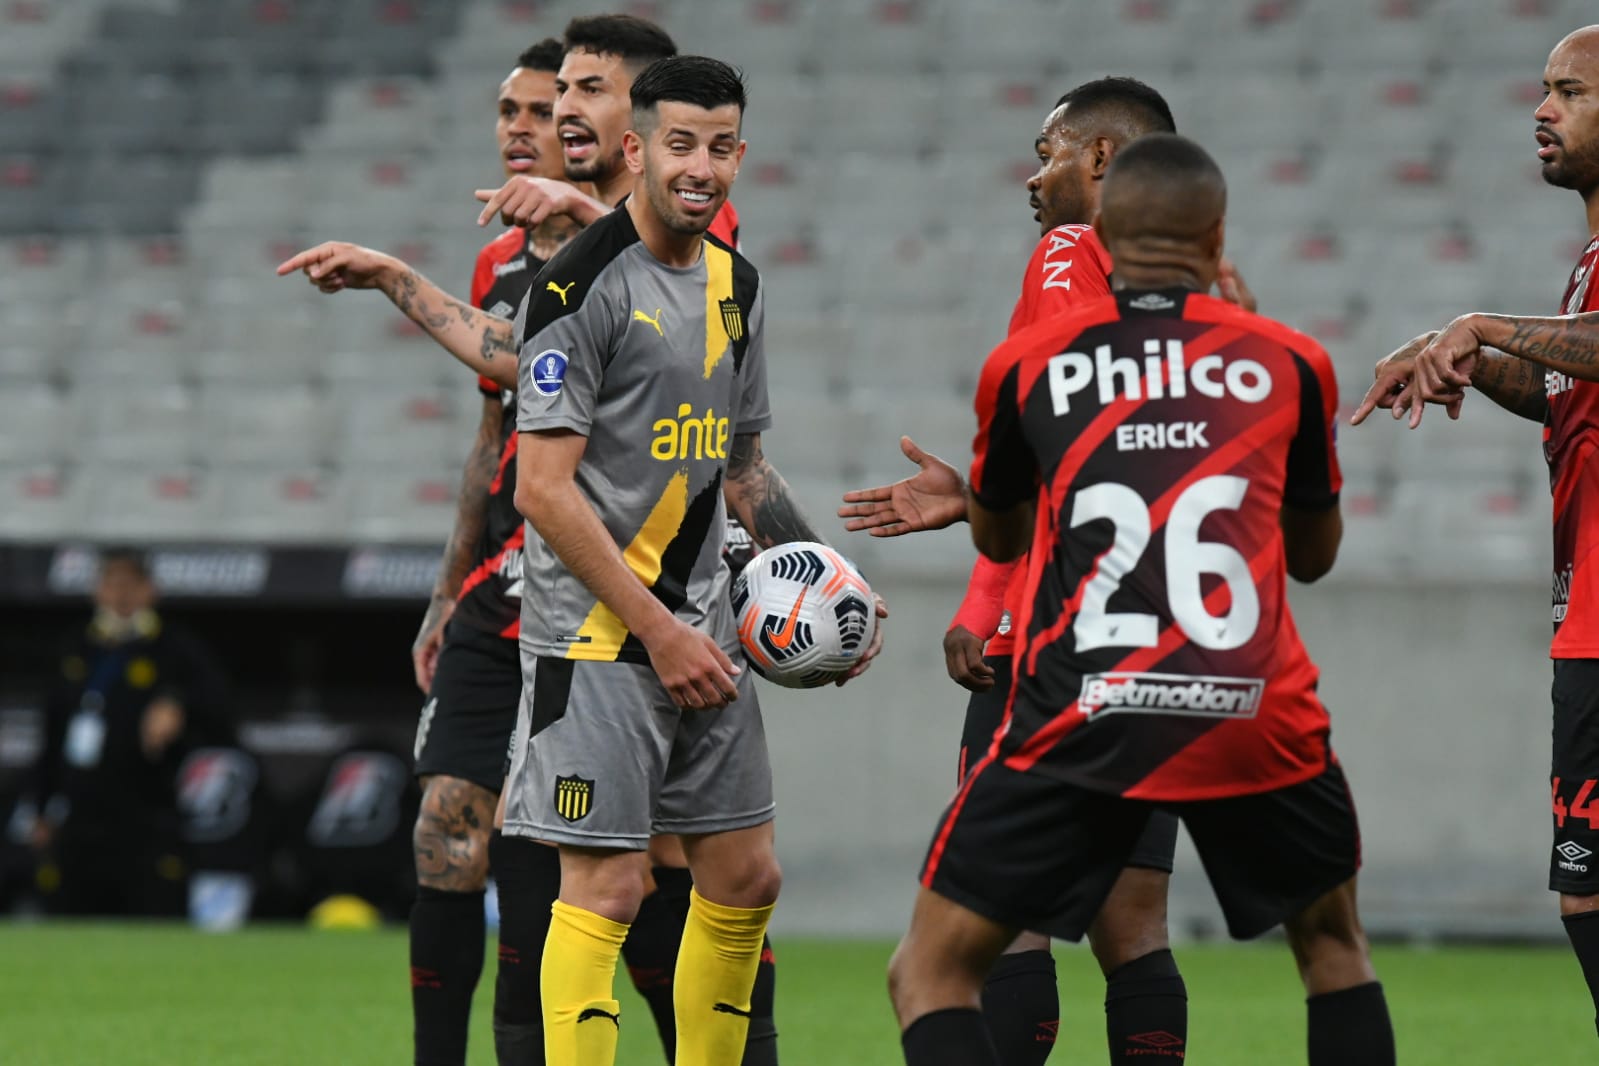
x=123 y=555
x=1162 y=186
x=638 y=42
x=1128 y=98
x=698 y=80
x=1165 y=154
x=545 y=56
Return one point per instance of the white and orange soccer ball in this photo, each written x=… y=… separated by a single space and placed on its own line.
x=805 y=614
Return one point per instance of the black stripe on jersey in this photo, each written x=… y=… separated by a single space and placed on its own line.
x=746 y=284
x=1006 y=482
x=677 y=560
x=564 y=283
x=1307 y=485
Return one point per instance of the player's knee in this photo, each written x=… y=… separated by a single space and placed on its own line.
x=1328 y=932
x=450 y=841
x=1132 y=921
x=758 y=883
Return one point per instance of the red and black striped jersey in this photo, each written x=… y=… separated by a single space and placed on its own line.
x=491 y=595
x=1161 y=433
x=1068 y=269
x=1571 y=446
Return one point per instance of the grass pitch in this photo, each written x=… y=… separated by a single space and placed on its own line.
x=134 y=995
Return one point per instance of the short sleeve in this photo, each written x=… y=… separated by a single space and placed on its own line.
x=1004 y=468
x=1068 y=270
x=1313 y=478
x=754 y=406
x=562 y=361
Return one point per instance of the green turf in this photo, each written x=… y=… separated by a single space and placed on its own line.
x=135 y=995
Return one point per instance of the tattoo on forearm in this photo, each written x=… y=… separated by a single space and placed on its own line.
x=408 y=298
x=767 y=506
x=470 y=513
x=1514 y=384
x=1557 y=342
x=494 y=333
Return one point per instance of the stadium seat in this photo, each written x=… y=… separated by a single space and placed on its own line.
x=400 y=506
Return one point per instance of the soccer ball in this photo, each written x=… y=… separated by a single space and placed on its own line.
x=805 y=614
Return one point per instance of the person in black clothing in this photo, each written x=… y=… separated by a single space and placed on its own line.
x=132 y=695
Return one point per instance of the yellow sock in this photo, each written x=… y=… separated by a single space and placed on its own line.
x=575 y=980
x=715 y=972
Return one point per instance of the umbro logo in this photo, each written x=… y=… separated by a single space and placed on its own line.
x=1152 y=301
x=502 y=310
x=1572 y=855
x=1573 y=851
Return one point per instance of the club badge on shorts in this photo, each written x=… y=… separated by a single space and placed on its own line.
x=573 y=797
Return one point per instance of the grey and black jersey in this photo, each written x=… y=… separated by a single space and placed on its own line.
x=659 y=367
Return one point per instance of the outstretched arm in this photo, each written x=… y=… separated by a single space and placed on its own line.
x=481 y=341
x=932 y=498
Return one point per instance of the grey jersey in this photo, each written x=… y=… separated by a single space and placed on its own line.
x=659 y=368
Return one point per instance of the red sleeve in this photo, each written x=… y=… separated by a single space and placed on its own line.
x=724 y=227
x=1314 y=480
x=984 y=605
x=482 y=282
x=1069 y=268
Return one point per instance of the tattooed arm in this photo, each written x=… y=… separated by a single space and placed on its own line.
x=484 y=343
x=1512 y=383
x=761 y=501
x=471 y=514
x=1567 y=344
x=759 y=497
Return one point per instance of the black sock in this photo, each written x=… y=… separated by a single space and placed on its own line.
x=760 y=1047
x=528 y=876
x=1146 y=1009
x=954 y=1037
x=446 y=961
x=1351 y=1028
x=650 y=950
x=1583 y=931
x=1022 y=1007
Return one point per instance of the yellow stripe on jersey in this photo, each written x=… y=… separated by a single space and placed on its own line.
x=718 y=287
x=602 y=632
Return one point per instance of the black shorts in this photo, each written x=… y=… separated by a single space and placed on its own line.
x=1033 y=852
x=986 y=710
x=1574 y=778
x=465 y=727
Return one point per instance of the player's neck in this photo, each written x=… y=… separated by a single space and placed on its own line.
x=1173 y=277
x=614 y=189
x=672 y=248
x=1590 y=200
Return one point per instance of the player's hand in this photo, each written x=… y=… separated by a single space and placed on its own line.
x=429 y=641
x=871 y=649
x=1232 y=287
x=963 y=658
x=1443 y=368
x=696 y=672
x=159 y=727
x=527 y=201
x=932 y=498
x=1394 y=387
x=337 y=265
